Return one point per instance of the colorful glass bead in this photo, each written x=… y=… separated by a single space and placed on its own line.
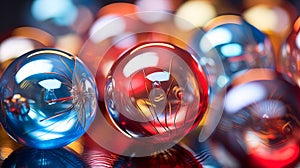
x=260 y=123
x=48 y=98
x=156 y=91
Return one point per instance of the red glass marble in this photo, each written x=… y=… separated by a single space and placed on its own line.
x=156 y=92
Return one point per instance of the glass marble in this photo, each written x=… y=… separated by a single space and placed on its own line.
x=239 y=44
x=32 y=157
x=156 y=90
x=102 y=51
x=288 y=61
x=260 y=124
x=48 y=98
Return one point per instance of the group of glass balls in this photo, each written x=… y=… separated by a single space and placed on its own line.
x=260 y=121
x=49 y=98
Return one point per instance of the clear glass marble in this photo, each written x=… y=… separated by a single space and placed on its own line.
x=48 y=98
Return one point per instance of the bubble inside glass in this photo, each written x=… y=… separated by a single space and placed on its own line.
x=156 y=90
x=48 y=98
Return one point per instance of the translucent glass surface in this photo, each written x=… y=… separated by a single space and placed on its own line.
x=48 y=98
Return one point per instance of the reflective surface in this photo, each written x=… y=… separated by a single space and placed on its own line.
x=32 y=157
x=48 y=99
x=260 y=124
x=239 y=44
x=176 y=156
x=156 y=89
x=93 y=155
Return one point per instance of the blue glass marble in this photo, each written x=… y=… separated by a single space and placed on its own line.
x=239 y=44
x=48 y=99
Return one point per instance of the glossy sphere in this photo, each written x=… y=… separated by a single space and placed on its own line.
x=260 y=124
x=239 y=44
x=48 y=98
x=156 y=91
x=289 y=58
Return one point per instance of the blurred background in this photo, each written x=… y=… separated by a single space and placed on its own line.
x=64 y=20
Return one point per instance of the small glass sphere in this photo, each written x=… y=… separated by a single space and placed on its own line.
x=289 y=59
x=240 y=45
x=48 y=98
x=156 y=91
x=260 y=125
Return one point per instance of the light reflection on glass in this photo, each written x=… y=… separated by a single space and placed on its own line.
x=231 y=50
x=213 y=38
x=33 y=67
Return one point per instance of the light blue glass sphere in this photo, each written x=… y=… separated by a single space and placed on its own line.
x=240 y=46
x=48 y=99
